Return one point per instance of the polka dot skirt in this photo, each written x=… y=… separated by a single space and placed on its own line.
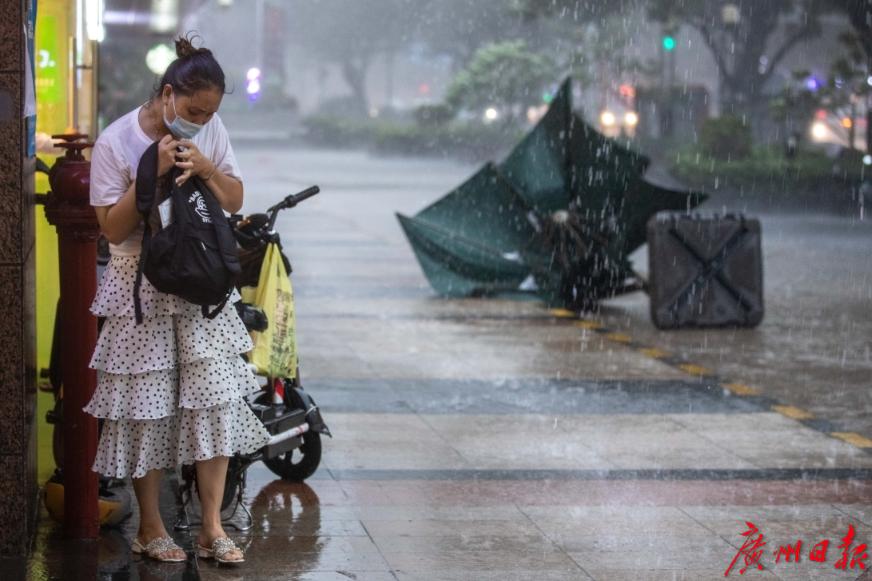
x=170 y=389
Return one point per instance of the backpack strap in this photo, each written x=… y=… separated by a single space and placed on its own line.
x=146 y=191
x=146 y=180
x=214 y=313
x=137 y=303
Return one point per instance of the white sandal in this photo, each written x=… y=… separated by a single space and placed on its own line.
x=157 y=547
x=220 y=547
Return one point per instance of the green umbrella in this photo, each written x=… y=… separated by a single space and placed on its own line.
x=469 y=241
x=559 y=216
x=563 y=159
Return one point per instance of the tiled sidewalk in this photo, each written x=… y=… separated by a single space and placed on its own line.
x=489 y=440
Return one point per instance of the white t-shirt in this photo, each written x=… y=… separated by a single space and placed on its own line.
x=116 y=156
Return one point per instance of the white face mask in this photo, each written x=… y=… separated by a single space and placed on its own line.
x=180 y=127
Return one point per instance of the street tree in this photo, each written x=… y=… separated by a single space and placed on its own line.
x=739 y=37
x=507 y=75
x=352 y=34
x=738 y=33
x=859 y=13
x=589 y=40
x=848 y=84
x=596 y=53
x=794 y=106
x=588 y=34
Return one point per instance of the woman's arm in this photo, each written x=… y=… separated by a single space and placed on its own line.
x=227 y=189
x=119 y=221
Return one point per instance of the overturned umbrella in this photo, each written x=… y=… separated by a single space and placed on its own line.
x=559 y=217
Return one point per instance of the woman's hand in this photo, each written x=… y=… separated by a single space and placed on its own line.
x=192 y=162
x=166 y=154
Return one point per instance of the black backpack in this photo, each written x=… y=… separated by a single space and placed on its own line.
x=195 y=257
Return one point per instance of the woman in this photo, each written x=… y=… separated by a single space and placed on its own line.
x=170 y=389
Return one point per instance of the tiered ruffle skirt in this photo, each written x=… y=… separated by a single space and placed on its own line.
x=170 y=390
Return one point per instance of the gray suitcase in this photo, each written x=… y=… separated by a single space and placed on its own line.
x=704 y=271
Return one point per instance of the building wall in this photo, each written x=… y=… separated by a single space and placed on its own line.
x=18 y=487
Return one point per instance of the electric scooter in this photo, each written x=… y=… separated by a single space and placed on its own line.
x=287 y=411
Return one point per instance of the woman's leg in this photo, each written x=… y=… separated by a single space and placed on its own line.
x=151 y=525
x=211 y=475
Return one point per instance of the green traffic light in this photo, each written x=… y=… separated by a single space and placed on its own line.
x=668 y=43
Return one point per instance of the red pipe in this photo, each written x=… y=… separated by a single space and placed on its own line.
x=68 y=209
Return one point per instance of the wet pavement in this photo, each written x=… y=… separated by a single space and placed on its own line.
x=497 y=440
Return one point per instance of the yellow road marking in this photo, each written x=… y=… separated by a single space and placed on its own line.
x=793 y=412
x=564 y=313
x=619 y=337
x=654 y=353
x=592 y=325
x=693 y=369
x=853 y=438
x=742 y=389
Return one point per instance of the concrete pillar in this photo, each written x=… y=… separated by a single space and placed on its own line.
x=18 y=486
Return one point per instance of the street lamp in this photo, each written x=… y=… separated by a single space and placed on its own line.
x=159 y=57
x=164 y=16
x=730 y=14
x=252 y=86
x=819 y=131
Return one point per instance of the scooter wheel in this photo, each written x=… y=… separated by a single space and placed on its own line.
x=297 y=465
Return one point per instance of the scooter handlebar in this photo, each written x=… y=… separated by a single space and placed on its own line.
x=295 y=199
x=305 y=194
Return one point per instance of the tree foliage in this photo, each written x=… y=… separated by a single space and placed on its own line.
x=726 y=137
x=794 y=106
x=352 y=34
x=506 y=74
x=738 y=36
x=859 y=45
x=859 y=13
x=588 y=37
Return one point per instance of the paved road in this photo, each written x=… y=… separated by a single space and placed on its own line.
x=489 y=439
x=496 y=440
x=813 y=351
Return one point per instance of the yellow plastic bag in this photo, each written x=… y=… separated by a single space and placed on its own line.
x=275 y=349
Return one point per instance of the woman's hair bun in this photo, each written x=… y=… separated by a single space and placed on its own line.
x=185 y=47
x=194 y=70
